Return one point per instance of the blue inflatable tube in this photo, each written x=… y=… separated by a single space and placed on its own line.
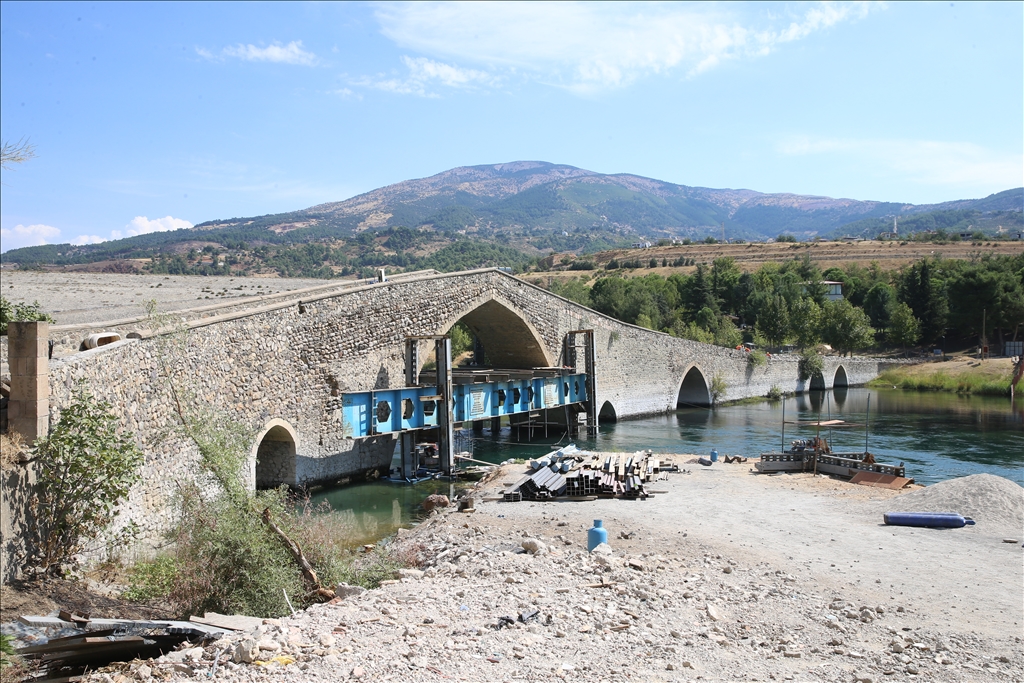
x=942 y=520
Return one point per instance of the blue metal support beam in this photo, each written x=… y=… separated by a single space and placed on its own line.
x=391 y=411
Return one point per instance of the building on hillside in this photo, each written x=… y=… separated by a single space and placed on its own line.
x=833 y=289
x=641 y=245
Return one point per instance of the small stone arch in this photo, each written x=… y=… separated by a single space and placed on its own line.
x=607 y=413
x=274 y=455
x=817 y=382
x=509 y=339
x=693 y=390
x=840 y=379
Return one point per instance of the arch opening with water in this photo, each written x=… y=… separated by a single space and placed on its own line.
x=694 y=390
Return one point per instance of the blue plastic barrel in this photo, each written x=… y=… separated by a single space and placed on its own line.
x=714 y=455
x=596 y=535
x=942 y=520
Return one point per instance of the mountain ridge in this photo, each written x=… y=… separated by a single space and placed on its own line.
x=538 y=206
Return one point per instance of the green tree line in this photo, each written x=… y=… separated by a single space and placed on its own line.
x=931 y=302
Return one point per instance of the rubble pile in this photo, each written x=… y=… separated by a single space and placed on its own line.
x=494 y=602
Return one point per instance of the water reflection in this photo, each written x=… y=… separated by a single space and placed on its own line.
x=372 y=510
x=937 y=436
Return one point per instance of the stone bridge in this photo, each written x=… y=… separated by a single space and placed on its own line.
x=279 y=366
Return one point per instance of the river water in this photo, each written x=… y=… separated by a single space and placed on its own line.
x=937 y=436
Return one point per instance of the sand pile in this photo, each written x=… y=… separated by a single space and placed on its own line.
x=992 y=502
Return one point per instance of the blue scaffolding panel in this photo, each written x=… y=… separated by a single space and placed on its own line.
x=390 y=411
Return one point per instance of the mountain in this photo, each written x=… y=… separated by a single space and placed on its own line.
x=537 y=206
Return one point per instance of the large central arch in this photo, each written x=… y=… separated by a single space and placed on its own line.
x=694 y=390
x=840 y=379
x=508 y=340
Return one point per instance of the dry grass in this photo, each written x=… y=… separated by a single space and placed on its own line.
x=12 y=449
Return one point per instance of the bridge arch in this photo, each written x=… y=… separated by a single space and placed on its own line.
x=274 y=455
x=509 y=339
x=817 y=382
x=694 y=389
x=840 y=379
x=607 y=413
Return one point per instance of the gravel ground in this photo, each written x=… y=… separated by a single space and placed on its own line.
x=76 y=298
x=727 y=576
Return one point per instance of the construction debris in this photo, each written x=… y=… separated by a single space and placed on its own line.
x=577 y=475
x=99 y=642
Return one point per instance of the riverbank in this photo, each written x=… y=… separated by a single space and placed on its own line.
x=724 y=575
x=959 y=375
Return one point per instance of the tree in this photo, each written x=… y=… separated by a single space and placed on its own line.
x=773 y=320
x=86 y=469
x=926 y=299
x=878 y=304
x=805 y=322
x=16 y=153
x=904 y=328
x=845 y=327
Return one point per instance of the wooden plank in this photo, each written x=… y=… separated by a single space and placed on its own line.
x=880 y=480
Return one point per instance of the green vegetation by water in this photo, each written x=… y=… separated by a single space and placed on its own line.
x=964 y=382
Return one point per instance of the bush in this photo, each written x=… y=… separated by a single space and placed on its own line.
x=718 y=387
x=774 y=394
x=810 y=365
x=18 y=312
x=151 y=580
x=85 y=470
x=757 y=358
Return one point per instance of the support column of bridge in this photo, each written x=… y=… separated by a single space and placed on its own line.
x=28 y=412
x=446 y=436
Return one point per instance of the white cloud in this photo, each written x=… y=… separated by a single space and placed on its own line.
x=593 y=46
x=292 y=53
x=34 y=235
x=927 y=162
x=140 y=225
x=88 y=239
x=28 y=236
x=424 y=74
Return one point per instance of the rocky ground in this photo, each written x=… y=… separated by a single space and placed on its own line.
x=726 y=576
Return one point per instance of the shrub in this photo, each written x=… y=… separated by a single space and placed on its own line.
x=17 y=312
x=718 y=387
x=810 y=364
x=85 y=470
x=757 y=358
x=151 y=580
x=774 y=394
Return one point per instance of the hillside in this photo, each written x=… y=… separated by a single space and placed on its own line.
x=537 y=207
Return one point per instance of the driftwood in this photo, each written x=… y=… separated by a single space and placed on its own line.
x=308 y=574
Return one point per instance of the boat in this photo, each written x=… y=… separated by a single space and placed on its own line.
x=815 y=455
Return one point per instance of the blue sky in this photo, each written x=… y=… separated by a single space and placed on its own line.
x=158 y=116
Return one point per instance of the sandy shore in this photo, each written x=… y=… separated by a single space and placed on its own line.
x=726 y=576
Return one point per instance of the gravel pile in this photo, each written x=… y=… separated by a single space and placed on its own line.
x=993 y=502
x=492 y=602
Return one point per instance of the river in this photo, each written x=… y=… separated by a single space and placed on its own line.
x=937 y=436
